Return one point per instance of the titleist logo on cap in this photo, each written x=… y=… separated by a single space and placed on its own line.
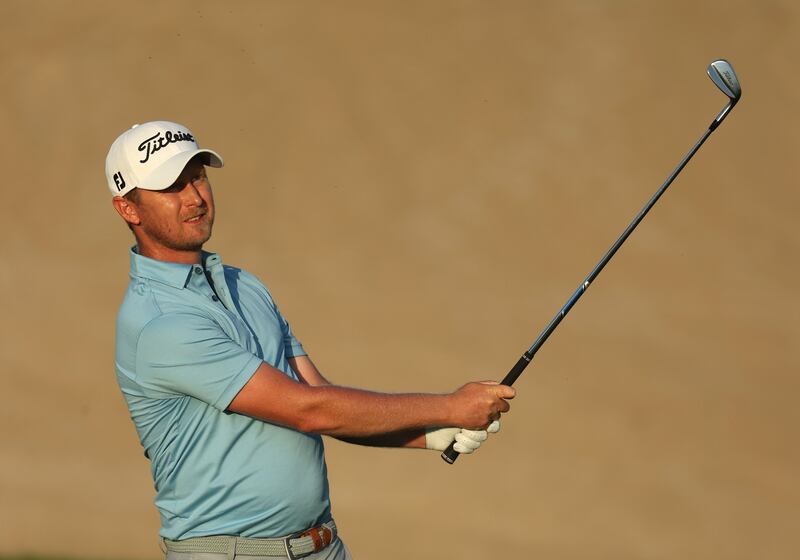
x=157 y=141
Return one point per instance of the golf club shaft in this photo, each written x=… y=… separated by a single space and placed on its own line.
x=450 y=455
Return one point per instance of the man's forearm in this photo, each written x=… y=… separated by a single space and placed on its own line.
x=415 y=439
x=411 y=439
x=370 y=416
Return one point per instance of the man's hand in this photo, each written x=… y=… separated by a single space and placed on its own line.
x=476 y=405
x=467 y=441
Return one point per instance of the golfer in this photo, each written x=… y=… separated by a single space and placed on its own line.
x=228 y=406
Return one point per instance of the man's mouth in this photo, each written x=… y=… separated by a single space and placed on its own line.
x=195 y=219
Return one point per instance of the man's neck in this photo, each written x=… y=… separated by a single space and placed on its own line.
x=165 y=254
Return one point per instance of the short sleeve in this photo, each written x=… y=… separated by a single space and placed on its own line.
x=190 y=354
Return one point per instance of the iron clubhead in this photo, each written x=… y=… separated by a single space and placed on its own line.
x=722 y=74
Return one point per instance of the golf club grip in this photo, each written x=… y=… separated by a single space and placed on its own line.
x=450 y=455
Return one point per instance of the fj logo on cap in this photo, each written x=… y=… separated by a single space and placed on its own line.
x=119 y=181
x=156 y=142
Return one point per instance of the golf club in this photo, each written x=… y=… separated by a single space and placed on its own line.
x=722 y=74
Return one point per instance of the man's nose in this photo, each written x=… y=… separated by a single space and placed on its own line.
x=191 y=196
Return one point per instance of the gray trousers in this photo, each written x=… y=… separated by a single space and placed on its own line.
x=335 y=551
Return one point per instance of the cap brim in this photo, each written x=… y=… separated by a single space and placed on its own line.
x=169 y=171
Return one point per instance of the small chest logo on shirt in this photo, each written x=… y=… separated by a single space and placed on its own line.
x=157 y=141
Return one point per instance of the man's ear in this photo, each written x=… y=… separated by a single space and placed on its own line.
x=127 y=209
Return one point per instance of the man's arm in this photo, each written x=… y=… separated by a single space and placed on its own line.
x=308 y=372
x=316 y=406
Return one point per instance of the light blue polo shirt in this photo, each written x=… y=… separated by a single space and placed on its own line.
x=183 y=352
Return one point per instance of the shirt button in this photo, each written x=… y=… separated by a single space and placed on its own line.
x=214 y=298
x=198 y=270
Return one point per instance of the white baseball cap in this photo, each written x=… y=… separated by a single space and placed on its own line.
x=151 y=156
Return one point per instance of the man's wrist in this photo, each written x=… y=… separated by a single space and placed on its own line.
x=448 y=410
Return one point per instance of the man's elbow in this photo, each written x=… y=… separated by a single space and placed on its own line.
x=272 y=397
x=315 y=415
x=316 y=422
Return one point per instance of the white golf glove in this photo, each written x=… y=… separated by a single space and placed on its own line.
x=467 y=441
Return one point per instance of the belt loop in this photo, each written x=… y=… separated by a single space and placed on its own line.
x=162 y=544
x=232 y=547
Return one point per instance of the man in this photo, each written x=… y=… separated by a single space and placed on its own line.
x=228 y=406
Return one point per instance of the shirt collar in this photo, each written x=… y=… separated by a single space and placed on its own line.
x=172 y=274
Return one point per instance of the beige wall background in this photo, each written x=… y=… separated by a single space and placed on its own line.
x=422 y=185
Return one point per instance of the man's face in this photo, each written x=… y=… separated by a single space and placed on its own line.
x=179 y=218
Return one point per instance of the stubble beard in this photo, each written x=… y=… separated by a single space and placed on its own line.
x=183 y=243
